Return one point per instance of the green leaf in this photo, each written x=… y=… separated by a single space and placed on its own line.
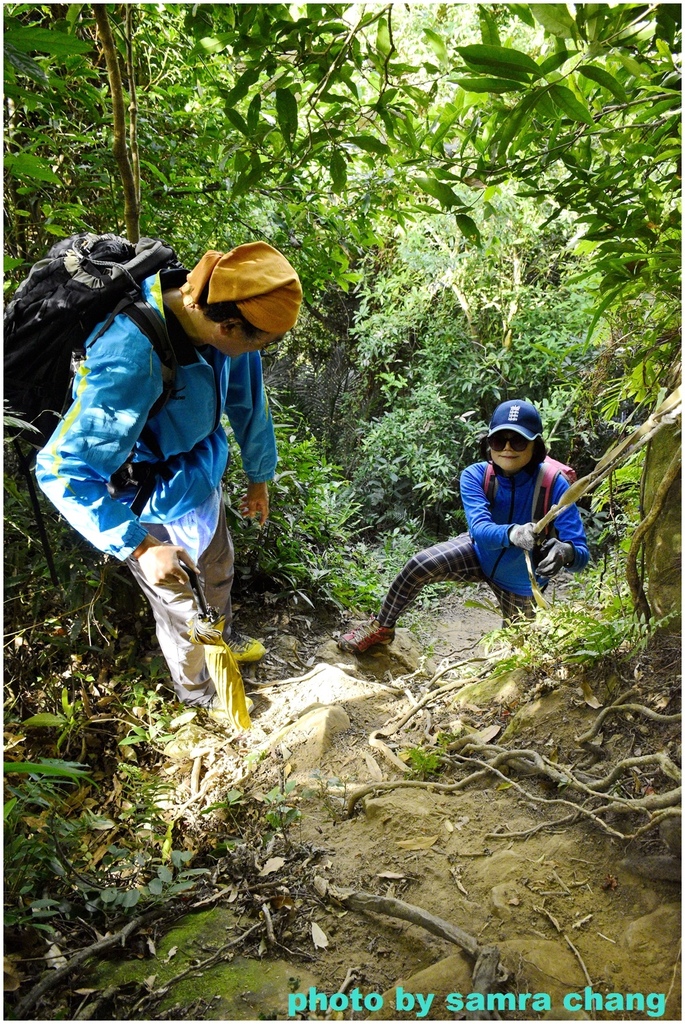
x=555 y=60
x=11 y=263
x=242 y=86
x=370 y=144
x=488 y=85
x=488 y=26
x=437 y=44
x=468 y=227
x=500 y=60
x=513 y=122
x=570 y=105
x=45 y=720
x=215 y=44
x=286 y=110
x=253 y=112
x=30 y=39
x=443 y=193
x=130 y=898
x=603 y=78
x=65 y=769
x=25 y=165
x=73 y=11
x=383 y=41
x=554 y=18
x=237 y=120
x=521 y=11
x=338 y=171
x=24 y=64
x=632 y=66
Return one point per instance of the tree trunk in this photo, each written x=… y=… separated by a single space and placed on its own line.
x=119 y=147
x=663 y=540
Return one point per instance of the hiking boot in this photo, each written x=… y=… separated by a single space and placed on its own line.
x=370 y=634
x=245 y=648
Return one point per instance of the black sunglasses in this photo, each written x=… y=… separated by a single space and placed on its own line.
x=498 y=442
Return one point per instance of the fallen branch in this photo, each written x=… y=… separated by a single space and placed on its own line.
x=270 y=937
x=487 y=971
x=392 y=907
x=580 y=960
x=201 y=793
x=52 y=978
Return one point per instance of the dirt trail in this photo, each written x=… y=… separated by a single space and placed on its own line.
x=579 y=930
x=564 y=906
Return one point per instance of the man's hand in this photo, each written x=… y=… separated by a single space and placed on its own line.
x=161 y=563
x=523 y=536
x=256 y=502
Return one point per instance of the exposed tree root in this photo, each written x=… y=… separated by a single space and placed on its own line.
x=613 y=708
x=532 y=763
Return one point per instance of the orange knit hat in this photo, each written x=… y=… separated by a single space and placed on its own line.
x=258 y=278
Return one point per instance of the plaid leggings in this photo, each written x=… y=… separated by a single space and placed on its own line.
x=452 y=560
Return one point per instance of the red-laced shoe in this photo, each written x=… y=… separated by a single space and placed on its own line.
x=368 y=635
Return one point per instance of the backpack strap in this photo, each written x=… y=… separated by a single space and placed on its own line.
x=153 y=327
x=144 y=476
x=490 y=482
x=544 y=485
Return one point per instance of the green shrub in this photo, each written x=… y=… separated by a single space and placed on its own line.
x=307 y=550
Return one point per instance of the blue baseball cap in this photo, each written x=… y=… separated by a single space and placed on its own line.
x=518 y=416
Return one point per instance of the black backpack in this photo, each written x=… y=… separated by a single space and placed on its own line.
x=82 y=280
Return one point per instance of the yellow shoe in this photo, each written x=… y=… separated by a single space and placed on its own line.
x=245 y=648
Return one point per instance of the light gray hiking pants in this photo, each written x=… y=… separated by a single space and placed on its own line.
x=175 y=606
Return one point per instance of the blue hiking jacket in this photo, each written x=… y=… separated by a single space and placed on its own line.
x=489 y=524
x=114 y=390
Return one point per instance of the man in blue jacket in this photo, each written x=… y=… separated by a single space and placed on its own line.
x=500 y=530
x=231 y=307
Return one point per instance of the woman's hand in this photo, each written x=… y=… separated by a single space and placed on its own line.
x=554 y=555
x=523 y=536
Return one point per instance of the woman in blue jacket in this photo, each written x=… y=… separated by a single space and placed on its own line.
x=231 y=307
x=499 y=532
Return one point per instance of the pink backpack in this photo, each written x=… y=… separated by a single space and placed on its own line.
x=548 y=472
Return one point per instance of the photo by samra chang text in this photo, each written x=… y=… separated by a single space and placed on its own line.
x=417 y=1005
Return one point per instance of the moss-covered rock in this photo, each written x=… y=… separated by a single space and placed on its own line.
x=502 y=689
x=242 y=989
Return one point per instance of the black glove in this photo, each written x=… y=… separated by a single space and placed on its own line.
x=553 y=555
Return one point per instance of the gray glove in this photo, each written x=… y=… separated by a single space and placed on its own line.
x=554 y=555
x=523 y=536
